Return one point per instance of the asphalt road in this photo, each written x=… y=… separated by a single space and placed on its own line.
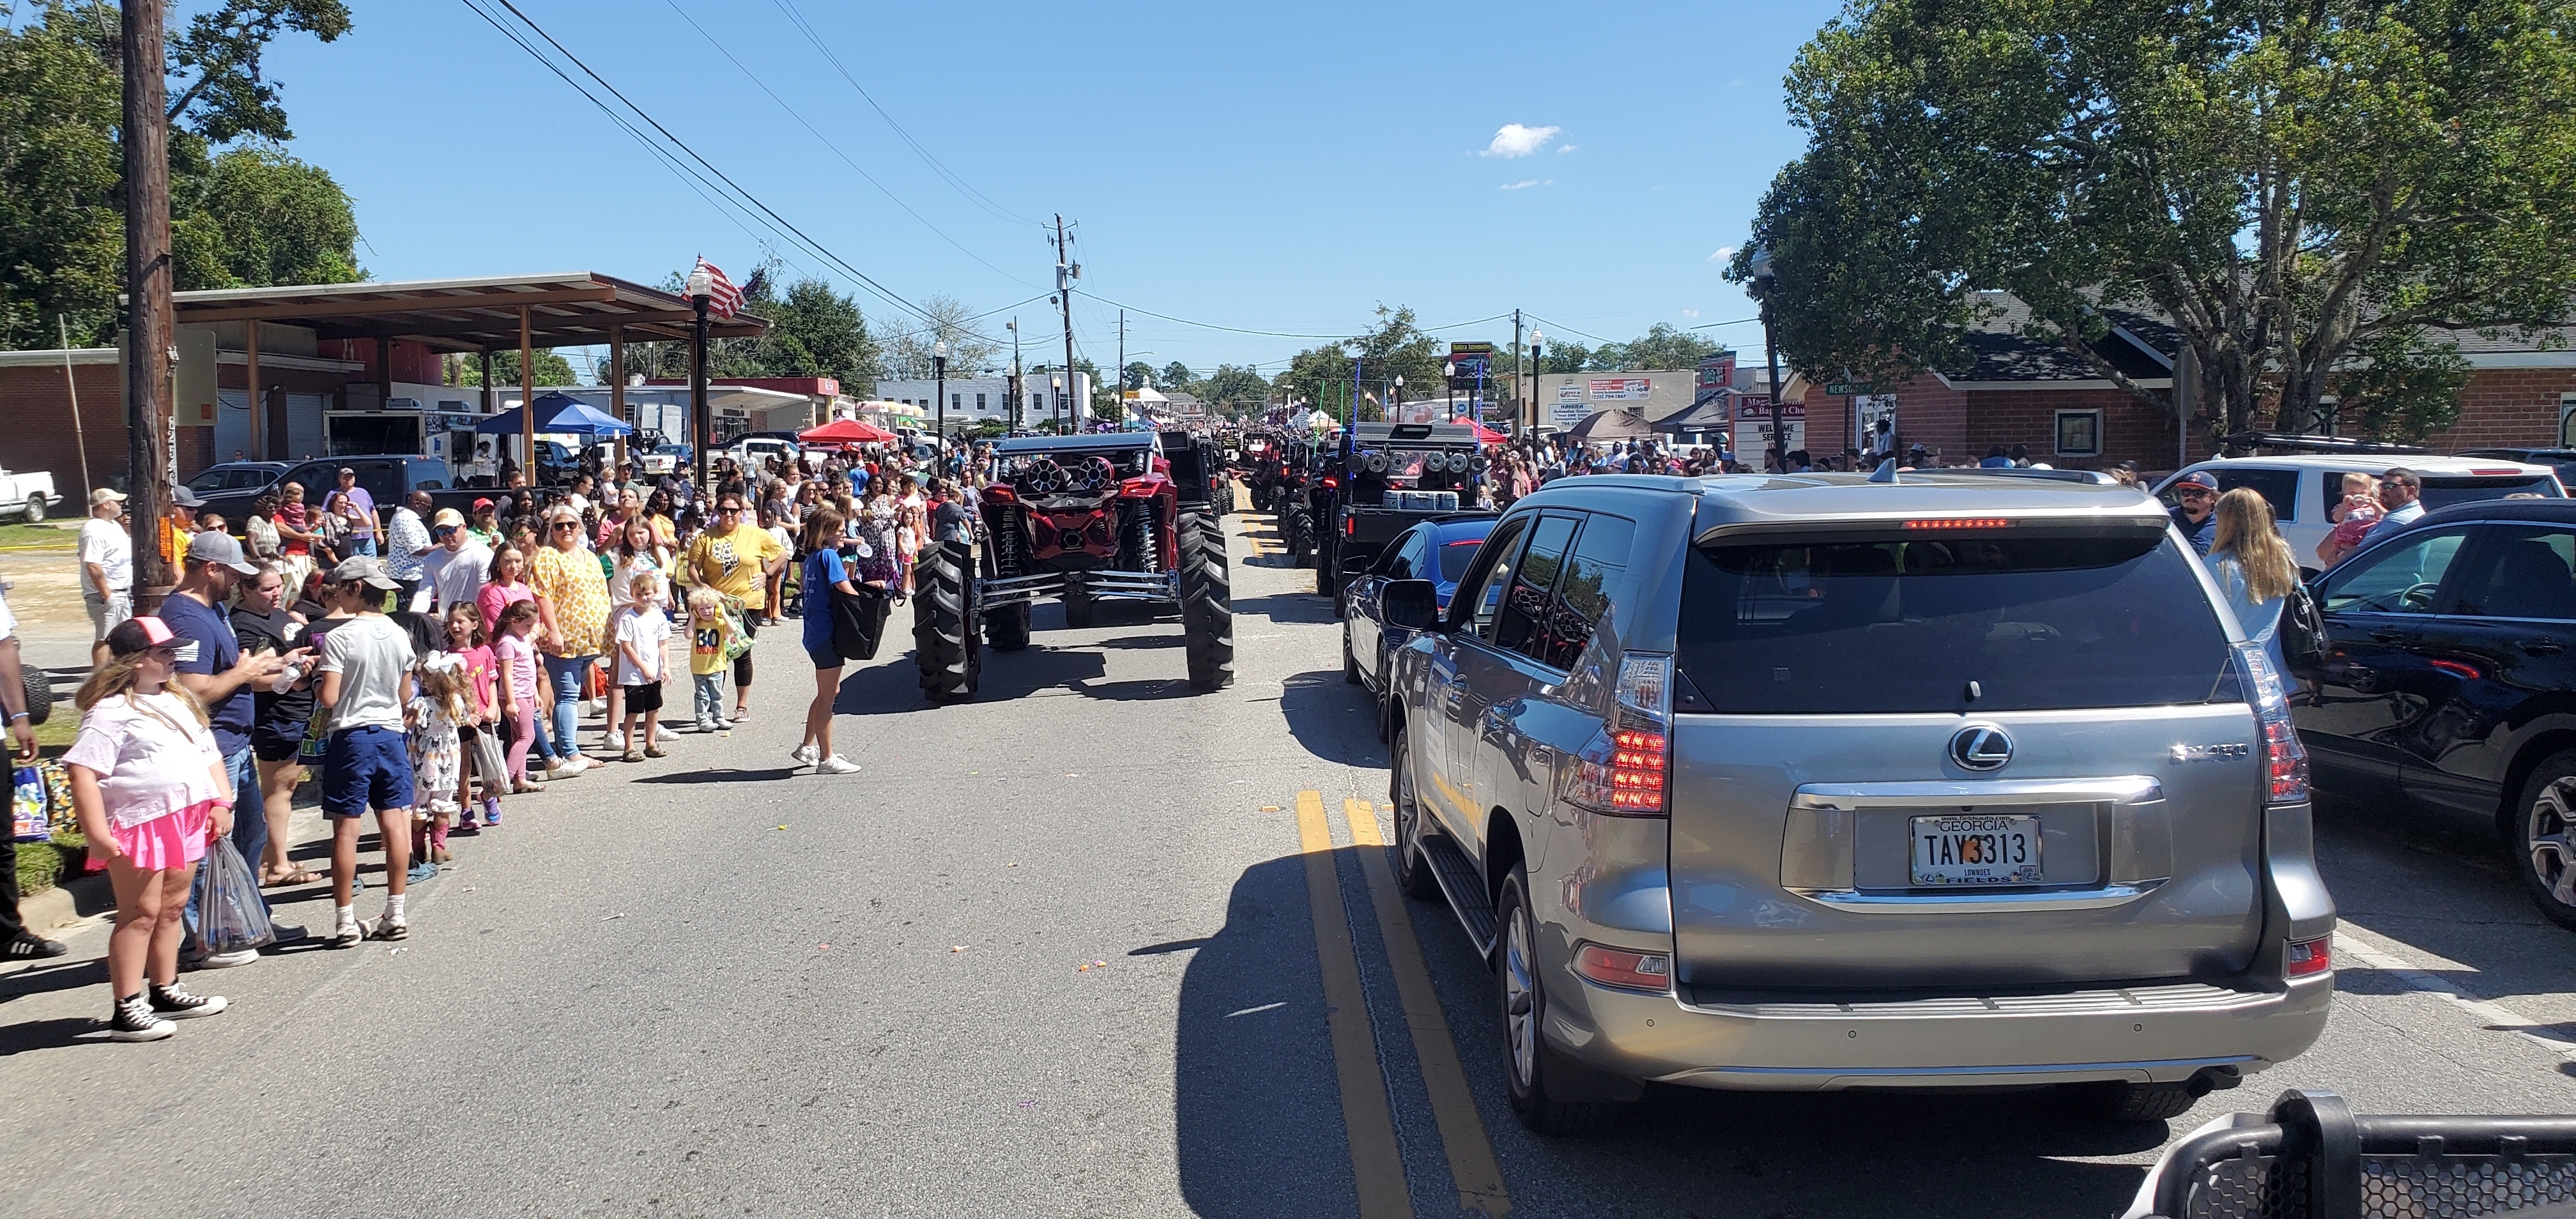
x=1091 y=945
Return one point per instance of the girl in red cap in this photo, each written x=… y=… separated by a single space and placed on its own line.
x=151 y=790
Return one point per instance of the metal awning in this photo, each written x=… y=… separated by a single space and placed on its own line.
x=566 y=309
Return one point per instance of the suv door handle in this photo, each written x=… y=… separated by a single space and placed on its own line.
x=2540 y=647
x=2386 y=635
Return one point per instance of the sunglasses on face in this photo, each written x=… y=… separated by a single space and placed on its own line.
x=2198 y=494
x=567 y=524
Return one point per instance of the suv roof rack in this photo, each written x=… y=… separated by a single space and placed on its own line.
x=2315 y=444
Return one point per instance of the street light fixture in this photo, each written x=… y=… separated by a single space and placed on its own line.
x=1395 y=413
x=701 y=288
x=1538 y=343
x=1056 y=384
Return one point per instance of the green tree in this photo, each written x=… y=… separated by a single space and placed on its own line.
x=243 y=215
x=1137 y=375
x=907 y=354
x=1176 y=375
x=551 y=369
x=1661 y=347
x=2304 y=190
x=1233 y=388
x=816 y=332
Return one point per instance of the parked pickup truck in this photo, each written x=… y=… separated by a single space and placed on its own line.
x=32 y=494
x=387 y=478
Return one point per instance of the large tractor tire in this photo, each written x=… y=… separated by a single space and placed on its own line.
x=1207 y=603
x=1007 y=628
x=943 y=628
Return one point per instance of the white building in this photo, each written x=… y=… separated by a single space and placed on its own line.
x=973 y=400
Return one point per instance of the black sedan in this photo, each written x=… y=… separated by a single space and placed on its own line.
x=1437 y=550
x=2452 y=681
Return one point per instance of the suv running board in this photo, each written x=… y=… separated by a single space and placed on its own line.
x=1464 y=887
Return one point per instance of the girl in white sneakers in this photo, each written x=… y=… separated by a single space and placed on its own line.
x=151 y=790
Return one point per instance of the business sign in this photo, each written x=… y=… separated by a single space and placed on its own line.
x=1568 y=412
x=1569 y=392
x=1716 y=373
x=1621 y=389
x=1471 y=349
x=1753 y=428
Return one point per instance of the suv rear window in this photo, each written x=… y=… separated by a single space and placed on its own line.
x=2039 y=621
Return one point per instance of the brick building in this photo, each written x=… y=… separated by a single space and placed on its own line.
x=2016 y=390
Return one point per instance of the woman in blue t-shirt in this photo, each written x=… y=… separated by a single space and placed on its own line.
x=825 y=572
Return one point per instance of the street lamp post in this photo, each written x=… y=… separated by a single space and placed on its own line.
x=939 y=379
x=1055 y=386
x=1538 y=343
x=701 y=288
x=1395 y=412
x=1765 y=278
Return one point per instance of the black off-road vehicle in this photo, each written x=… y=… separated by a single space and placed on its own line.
x=1084 y=519
x=1385 y=478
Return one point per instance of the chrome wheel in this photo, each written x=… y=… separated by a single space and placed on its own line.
x=2552 y=840
x=1520 y=998
x=1412 y=868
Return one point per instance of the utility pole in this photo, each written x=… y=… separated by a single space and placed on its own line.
x=149 y=341
x=1066 y=271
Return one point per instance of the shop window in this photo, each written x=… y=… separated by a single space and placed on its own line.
x=2079 y=433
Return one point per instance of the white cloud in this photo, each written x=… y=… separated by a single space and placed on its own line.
x=1526 y=183
x=1567 y=148
x=1690 y=313
x=1514 y=140
x=1724 y=252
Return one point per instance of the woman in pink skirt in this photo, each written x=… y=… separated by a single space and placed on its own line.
x=151 y=791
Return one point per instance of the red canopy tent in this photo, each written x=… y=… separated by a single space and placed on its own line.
x=1486 y=435
x=846 y=431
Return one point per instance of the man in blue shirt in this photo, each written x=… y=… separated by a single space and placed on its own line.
x=2195 y=511
x=2401 y=490
x=213 y=667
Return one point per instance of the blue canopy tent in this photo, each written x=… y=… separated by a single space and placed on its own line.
x=561 y=413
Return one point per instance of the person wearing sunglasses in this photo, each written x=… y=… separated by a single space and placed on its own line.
x=152 y=791
x=736 y=557
x=2195 y=509
x=572 y=612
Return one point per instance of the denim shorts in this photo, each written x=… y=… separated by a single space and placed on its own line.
x=364 y=767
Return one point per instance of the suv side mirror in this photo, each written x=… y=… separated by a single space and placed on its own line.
x=1413 y=605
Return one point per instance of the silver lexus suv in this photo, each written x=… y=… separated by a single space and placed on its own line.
x=1819 y=782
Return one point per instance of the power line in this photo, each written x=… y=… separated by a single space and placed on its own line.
x=782 y=222
x=826 y=141
x=973 y=195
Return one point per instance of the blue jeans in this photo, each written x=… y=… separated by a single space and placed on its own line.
x=250 y=828
x=566 y=672
x=362 y=546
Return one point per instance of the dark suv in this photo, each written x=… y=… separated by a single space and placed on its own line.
x=2451 y=677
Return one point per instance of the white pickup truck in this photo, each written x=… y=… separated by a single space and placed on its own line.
x=32 y=494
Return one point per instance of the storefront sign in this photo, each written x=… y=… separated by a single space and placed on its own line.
x=1621 y=389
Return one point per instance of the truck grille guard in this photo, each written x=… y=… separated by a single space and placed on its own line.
x=1102 y=585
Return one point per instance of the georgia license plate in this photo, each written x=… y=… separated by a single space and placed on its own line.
x=1976 y=849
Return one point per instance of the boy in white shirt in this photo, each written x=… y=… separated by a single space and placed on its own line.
x=366 y=671
x=642 y=632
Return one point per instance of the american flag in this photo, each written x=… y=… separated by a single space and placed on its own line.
x=726 y=300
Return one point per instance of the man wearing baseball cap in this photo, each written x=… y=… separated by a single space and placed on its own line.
x=453 y=573
x=212 y=666
x=107 y=568
x=2195 y=509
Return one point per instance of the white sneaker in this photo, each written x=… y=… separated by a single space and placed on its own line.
x=836 y=765
x=805 y=755
x=614 y=741
x=228 y=960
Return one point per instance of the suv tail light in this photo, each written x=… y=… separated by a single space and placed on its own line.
x=2285 y=761
x=1625 y=768
x=1620 y=967
x=2302 y=958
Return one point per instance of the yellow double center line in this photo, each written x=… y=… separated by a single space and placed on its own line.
x=1377 y=1161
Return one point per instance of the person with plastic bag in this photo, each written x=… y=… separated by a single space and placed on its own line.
x=17 y=942
x=152 y=792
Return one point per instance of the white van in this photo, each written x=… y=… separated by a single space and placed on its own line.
x=2304 y=486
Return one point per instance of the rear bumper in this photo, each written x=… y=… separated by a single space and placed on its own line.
x=2148 y=1034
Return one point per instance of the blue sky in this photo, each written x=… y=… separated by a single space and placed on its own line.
x=1267 y=167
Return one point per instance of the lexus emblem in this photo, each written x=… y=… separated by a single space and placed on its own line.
x=1981 y=747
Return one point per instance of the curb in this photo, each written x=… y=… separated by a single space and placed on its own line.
x=71 y=901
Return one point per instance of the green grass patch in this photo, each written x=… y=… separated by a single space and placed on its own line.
x=42 y=865
x=18 y=536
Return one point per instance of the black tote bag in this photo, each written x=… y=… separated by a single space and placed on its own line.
x=858 y=620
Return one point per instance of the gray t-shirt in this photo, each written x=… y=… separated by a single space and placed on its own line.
x=373 y=658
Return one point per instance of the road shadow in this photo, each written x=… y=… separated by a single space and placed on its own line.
x=1308 y=606
x=1332 y=718
x=1257 y=1111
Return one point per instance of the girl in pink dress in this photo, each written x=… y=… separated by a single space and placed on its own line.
x=151 y=791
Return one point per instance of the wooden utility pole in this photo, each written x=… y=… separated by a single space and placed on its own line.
x=528 y=396
x=148 y=324
x=1064 y=275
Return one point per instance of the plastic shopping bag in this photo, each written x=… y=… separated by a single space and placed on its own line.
x=489 y=761
x=27 y=805
x=230 y=916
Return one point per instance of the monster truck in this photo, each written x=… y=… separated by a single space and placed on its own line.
x=1084 y=519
